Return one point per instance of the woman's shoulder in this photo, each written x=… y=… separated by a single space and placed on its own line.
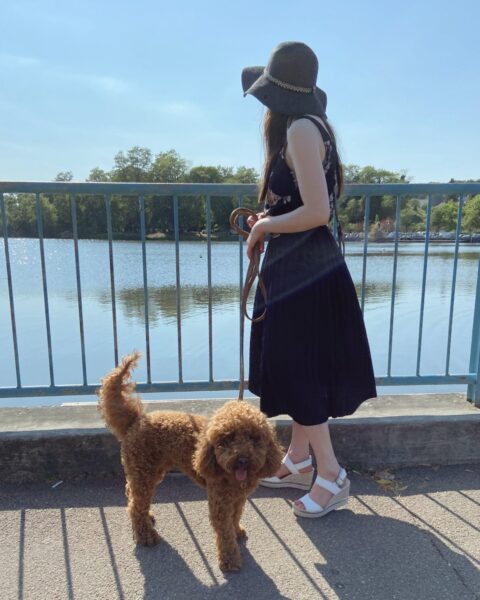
x=301 y=131
x=304 y=122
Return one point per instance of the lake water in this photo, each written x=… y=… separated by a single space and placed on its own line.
x=95 y=280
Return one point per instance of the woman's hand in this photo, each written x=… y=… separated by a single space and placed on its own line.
x=251 y=220
x=256 y=235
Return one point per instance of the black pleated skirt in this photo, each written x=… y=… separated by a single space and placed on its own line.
x=309 y=357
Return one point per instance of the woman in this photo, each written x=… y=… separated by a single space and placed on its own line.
x=309 y=356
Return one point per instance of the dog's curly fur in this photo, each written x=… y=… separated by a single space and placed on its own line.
x=227 y=454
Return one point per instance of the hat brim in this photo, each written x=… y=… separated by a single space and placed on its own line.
x=280 y=99
x=249 y=76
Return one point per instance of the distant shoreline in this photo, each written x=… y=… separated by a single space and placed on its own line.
x=443 y=237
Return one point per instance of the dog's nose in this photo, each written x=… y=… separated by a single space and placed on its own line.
x=242 y=461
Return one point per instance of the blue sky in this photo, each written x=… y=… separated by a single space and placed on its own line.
x=82 y=80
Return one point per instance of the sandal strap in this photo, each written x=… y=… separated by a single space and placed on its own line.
x=295 y=467
x=309 y=504
x=332 y=486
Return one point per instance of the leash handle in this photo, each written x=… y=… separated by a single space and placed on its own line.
x=252 y=272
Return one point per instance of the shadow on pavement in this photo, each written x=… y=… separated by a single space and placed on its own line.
x=369 y=556
x=110 y=492
x=389 y=547
x=167 y=575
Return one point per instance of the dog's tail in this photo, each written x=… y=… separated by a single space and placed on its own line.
x=117 y=404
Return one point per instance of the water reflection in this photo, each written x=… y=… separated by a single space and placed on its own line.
x=162 y=301
x=194 y=301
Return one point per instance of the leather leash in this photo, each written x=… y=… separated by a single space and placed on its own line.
x=252 y=272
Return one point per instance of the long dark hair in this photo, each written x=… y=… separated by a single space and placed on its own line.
x=275 y=127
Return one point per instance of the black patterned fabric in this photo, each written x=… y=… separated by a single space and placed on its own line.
x=310 y=356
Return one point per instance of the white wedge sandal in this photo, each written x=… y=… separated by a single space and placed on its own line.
x=340 y=489
x=295 y=479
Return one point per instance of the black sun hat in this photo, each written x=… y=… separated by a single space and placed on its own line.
x=288 y=83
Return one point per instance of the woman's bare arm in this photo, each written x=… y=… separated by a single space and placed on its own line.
x=304 y=141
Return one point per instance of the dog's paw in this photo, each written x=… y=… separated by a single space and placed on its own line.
x=148 y=537
x=230 y=563
x=152 y=517
x=241 y=532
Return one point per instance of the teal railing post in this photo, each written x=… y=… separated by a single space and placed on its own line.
x=473 y=389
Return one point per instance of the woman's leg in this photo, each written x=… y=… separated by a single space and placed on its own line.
x=298 y=449
x=327 y=465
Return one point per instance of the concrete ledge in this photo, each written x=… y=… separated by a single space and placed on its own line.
x=70 y=442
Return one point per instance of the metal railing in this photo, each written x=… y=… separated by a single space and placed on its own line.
x=138 y=191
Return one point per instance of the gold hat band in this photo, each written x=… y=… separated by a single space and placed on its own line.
x=288 y=86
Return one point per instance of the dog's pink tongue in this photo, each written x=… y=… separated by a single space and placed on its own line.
x=241 y=474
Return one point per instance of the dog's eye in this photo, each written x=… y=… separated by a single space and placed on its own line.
x=222 y=442
x=254 y=438
x=226 y=439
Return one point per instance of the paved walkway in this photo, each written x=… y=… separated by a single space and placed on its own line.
x=412 y=534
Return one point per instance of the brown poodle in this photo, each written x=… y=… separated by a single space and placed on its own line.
x=227 y=454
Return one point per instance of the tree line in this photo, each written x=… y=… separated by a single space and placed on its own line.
x=140 y=165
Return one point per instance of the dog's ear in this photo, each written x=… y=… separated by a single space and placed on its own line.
x=274 y=455
x=204 y=461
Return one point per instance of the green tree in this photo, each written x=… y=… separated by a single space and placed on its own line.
x=22 y=215
x=21 y=218
x=98 y=175
x=168 y=167
x=369 y=174
x=243 y=175
x=62 y=207
x=64 y=176
x=204 y=174
x=471 y=214
x=444 y=216
x=135 y=166
x=354 y=210
x=412 y=216
x=380 y=206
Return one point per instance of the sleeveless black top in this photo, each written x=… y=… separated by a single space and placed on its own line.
x=283 y=194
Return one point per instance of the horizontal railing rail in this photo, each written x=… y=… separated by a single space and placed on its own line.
x=138 y=191
x=224 y=189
